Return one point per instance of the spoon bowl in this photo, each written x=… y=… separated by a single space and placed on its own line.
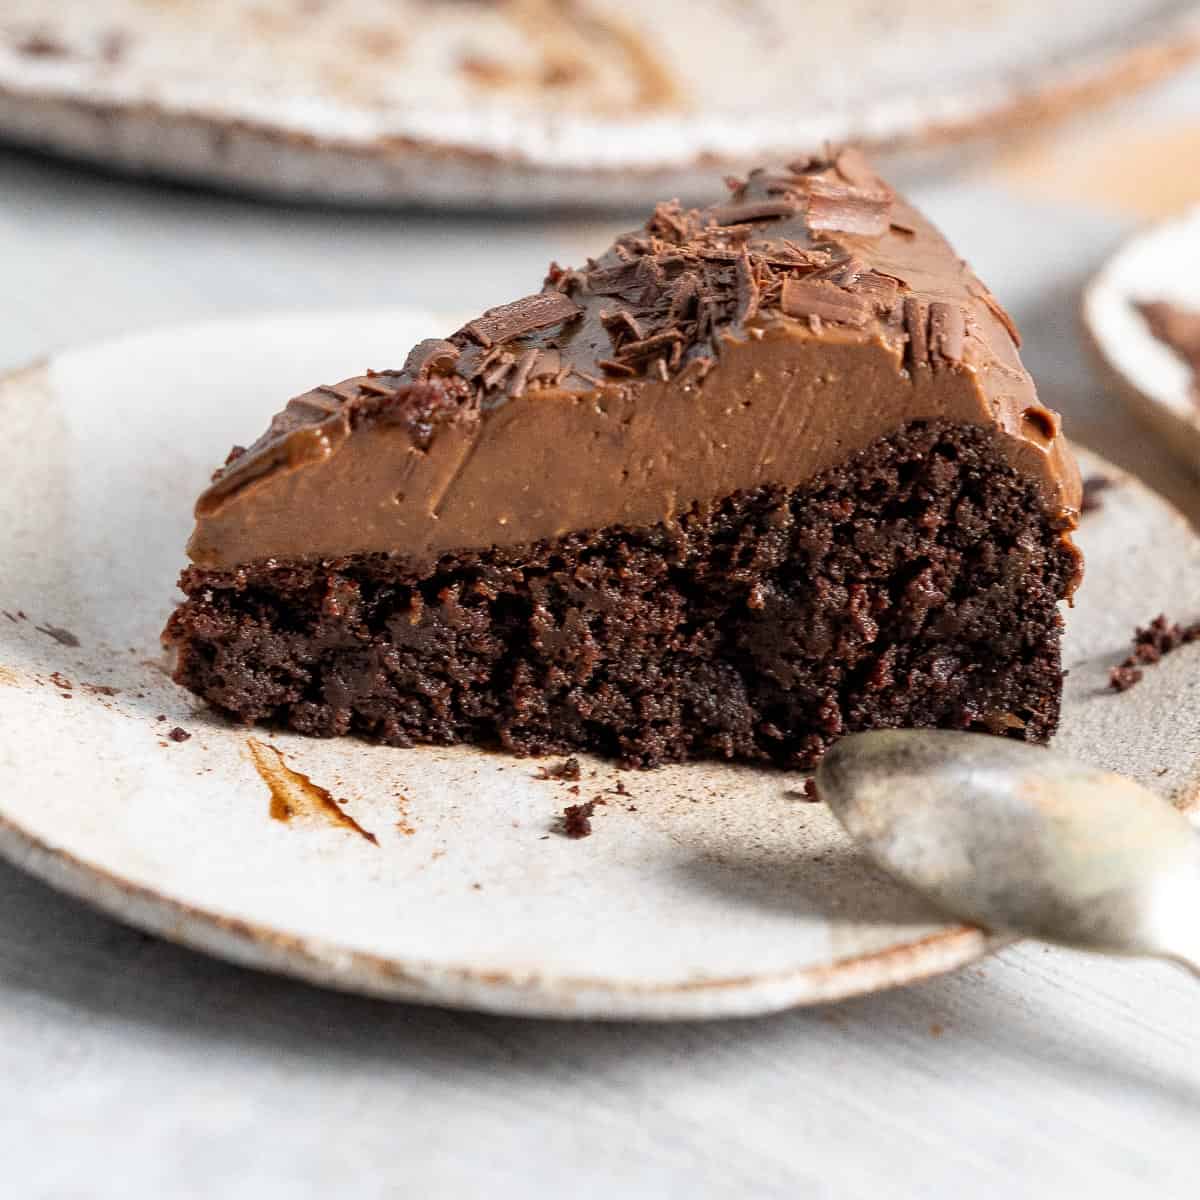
x=1021 y=840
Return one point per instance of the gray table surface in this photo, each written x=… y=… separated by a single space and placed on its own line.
x=131 y=1068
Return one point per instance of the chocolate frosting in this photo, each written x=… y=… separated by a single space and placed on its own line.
x=761 y=340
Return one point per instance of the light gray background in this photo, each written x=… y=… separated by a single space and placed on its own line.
x=131 y=1068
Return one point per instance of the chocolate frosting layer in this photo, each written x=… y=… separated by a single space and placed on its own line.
x=760 y=340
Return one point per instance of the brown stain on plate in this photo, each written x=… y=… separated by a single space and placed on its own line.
x=64 y=637
x=294 y=795
x=403 y=824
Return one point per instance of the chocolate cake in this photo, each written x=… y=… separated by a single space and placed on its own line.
x=764 y=473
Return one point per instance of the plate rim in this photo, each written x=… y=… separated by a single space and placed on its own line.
x=317 y=961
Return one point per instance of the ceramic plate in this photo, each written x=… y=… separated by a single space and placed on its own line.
x=1160 y=263
x=609 y=102
x=705 y=890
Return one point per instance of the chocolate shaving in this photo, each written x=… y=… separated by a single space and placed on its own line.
x=774 y=185
x=496 y=375
x=847 y=273
x=746 y=212
x=947 y=329
x=847 y=210
x=650 y=346
x=521 y=373
x=521 y=317
x=343 y=392
x=611 y=367
x=881 y=291
x=621 y=281
x=684 y=296
x=823 y=299
x=915 y=325
x=313 y=405
x=564 y=279
x=429 y=355
x=622 y=320
x=670 y=221
x=747 y=289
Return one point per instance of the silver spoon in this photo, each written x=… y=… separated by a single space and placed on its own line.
x=1022 y=840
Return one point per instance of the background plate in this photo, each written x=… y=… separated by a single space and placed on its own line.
x=1160 y=263
x=535 y=102
x=706 y=890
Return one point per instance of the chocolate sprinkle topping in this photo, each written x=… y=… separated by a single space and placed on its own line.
x=824 y=299
x=848 y=210
x=946 y=331
x=429 y=355
x=791 y=252
x=520 y=317
x=915 y=317
x=748 y=211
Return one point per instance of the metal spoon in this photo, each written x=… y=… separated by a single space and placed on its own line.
x=1022 y=840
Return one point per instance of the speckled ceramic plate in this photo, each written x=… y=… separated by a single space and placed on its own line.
x=1160 y=263
x=533 y=102
x=430 y=874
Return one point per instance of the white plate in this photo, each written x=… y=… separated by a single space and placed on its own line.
x=1161 y=262
x=723 y=893
x=609 y=102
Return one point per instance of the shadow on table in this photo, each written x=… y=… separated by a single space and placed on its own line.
x=78 y=959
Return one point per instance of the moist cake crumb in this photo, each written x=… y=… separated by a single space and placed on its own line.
x=1122 y=678
x=179 y=735
x=1150 y=643
x=567 y=770
x=577 y=818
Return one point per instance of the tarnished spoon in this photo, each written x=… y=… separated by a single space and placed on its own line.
x=1022 y=840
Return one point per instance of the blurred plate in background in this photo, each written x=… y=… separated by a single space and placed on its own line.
x=525 y=103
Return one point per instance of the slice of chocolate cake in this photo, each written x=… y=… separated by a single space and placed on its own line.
x=764 y=473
